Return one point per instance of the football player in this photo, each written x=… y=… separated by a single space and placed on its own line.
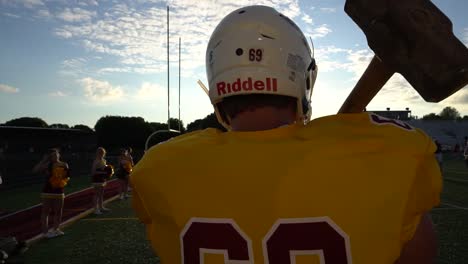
x=269 y=190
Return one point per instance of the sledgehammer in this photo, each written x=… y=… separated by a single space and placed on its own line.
x=413 y=38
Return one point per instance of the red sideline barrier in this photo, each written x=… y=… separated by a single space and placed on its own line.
x=26 y=224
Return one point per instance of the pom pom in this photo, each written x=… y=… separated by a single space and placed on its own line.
x=59 y=177
x=109 y=169
x=128 y=167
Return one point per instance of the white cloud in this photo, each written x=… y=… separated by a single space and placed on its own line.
x=150 y=91
x=318 y=32
x=398 y=91
x=73 y=63
x=459 y=98
x=44 y=13
x=325 y=57
x=63 y=33
x=358 y=61
x=76 y=14
x=8 y=89
x=328 y=9
x=149 y=69
x=32 y=3
x=325 y=51
x=100 y=91
x=88 y=3
x=104 y=48
x=57 y=94
x=74 y=67
x=114 y=69
x=135 y=33
x=11 y=15
x=307 y=19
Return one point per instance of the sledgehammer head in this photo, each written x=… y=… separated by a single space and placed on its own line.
x=415 y=39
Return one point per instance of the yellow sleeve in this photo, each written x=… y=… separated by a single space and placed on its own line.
x=424 y=193
x=139 y=208
x=138 y=203
x=142 y=213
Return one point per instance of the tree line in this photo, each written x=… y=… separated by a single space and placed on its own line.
x=38 y=122
x=448 y=113
x=114 y=132
x=117 y=131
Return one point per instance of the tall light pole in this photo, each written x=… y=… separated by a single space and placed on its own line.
x=168 y=101
x=179 y=83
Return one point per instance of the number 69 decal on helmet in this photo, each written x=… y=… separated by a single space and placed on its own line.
x=286 y=239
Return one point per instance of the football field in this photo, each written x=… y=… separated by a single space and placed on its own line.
x=118 y=237
x=451 y=217
x=114 y=237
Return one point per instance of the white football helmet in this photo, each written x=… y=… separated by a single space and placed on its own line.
x=257 y=50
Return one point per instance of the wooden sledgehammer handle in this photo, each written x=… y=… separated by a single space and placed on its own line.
x=373 y=79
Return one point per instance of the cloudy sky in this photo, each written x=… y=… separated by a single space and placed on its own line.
x=71 y=61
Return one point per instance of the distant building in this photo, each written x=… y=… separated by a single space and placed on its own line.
x=394 y=114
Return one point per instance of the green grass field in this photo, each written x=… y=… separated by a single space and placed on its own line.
x=114 y=237
x=452 y=223
x=117 y=237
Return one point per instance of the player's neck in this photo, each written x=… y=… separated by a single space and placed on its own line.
x=262 y=119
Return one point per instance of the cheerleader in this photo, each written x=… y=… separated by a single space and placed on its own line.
x=130 y=158
x=124 y=170
x=57 y=175
x=465 y=154
x=101 y=172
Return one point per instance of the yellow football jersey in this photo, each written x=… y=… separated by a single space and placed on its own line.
x=342 y=189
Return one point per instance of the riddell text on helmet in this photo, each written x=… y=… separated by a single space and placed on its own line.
x=269 y=84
